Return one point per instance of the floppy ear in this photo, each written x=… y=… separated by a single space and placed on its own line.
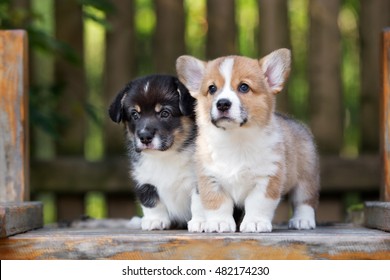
x=276 y=67
x=190 y=71
x=186 y=101
x=116 y=108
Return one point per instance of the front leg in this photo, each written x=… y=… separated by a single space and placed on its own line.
x=218 y=206
x=198 y=219
x=156 y=215
x=260 y=205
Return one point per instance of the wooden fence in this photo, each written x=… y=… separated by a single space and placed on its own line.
x=65 y=170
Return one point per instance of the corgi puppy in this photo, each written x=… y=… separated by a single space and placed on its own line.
x=247 y=155
x=158 y=115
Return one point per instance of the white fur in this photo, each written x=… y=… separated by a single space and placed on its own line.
x=238 y=168
x=221 y=219
x=259 y=210
x=155 y=218
x=197 y=222
x=155 y=144
x=146 y=87
x=172 y=173
x=226 y=70
x=304 y=218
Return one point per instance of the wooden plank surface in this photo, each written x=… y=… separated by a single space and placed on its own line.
x=377 y=215
x=326 y=242
x=385 y=114
x=18 y=217
x=14 y=176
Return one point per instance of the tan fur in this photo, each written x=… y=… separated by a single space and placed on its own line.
x=274 y=188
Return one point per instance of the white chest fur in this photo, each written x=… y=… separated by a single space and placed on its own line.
x=242 y=158
x=172 y=174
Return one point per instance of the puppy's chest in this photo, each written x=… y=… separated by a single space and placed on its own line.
x=164 y=170
x=244 y=161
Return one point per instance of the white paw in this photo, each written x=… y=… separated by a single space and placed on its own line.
x=303 y=218
x=255 y=225
x=298 y=223
x=196 y=225
x=155 y=224
x=220 y=226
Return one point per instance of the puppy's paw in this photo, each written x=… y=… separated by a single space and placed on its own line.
x=255 y=225
x=298 y=223
x=155 y=224
x=196 y=225
x=303 y=218
x=220 y=226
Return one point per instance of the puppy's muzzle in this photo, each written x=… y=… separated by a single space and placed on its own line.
x=223 y=105
x=146 y=136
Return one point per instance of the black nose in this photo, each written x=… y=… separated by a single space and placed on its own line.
x=145 y=136
x=224 y=104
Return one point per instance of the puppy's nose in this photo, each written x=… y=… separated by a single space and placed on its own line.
x=224 y=104
x=145 y=136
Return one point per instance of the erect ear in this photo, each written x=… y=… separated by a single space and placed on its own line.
x=116 y=108
x=190 y=71
x=276 y=67
x=186 y=101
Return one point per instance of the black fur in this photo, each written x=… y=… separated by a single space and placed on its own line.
x=165 y=83
x=147 y=195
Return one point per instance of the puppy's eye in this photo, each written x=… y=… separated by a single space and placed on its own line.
x=212 y=89
x=243 y=88
x=165 y=114
x=135 y=115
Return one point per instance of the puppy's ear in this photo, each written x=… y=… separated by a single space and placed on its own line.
x=190 y=71
x=186 y=101
x=116 y=108
x=276 y=67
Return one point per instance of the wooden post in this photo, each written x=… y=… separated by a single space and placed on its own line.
x=377 y=214
x=326 y=110
x=221 y=35
x=374 y=16
x=385 y=114
x=14 y=152
x=119 y=68
x=169 y=35
x=16 y=215
x=274 y=34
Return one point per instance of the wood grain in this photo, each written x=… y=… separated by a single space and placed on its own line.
x=326 y=242
x=377 y=215
x=14 y=175
x=385 y=114
x=18 y=217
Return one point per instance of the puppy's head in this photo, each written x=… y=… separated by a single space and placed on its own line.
x=234 y=91
x=156 y=109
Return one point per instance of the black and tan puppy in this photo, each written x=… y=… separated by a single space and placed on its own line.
x=158 y=114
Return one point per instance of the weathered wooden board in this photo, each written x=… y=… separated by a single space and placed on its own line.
x=327 y=242
x=14 y=161
x=385 y=113
x=377 y=215
x=18 y=217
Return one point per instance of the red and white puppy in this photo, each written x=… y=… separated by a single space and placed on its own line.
x=246 y=154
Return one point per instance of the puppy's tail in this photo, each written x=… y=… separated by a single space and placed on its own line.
x=134 y=223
